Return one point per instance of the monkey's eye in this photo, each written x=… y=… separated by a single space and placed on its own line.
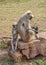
x=13 y=26
x=28 y=13
x=23 y=24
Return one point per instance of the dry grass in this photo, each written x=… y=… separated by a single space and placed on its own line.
x=11 y=11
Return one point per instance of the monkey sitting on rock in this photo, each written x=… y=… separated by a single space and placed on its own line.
x=23 y=29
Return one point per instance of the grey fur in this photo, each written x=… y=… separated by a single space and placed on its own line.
x=23 y=28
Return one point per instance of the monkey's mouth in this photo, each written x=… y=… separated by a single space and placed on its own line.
x=30 y=18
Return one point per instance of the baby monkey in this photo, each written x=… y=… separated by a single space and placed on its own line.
x=35 y=29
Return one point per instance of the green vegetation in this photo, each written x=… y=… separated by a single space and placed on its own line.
x=11 y=62
x=38 y=62
x=3 y=45
x=14 y=0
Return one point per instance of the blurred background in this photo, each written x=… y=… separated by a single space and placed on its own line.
x=11 y=10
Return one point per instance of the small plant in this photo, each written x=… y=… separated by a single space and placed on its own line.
x=38 y=62
x=8 y=62
x=3 y=45
x=44 y=62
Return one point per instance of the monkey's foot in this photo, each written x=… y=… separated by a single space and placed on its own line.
x=17 y=56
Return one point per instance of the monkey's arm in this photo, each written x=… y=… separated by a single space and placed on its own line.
x=35 y=29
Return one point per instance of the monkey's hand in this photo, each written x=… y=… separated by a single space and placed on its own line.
x=35 y=29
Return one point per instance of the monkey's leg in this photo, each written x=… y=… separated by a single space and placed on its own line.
x=16 y=43
x=12 y=44
x=14 y=37
x=37 y=36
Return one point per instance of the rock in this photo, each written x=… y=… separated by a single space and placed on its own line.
x=3 y=54
x=16 y=56
x=38 y=47
x=42 y=35
x=1 y=63
x=29 y=49
x=26 y=53
x=34 y=48
x=22 y=45
x=42 y=47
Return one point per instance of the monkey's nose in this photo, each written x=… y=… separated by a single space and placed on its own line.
x=32 y=16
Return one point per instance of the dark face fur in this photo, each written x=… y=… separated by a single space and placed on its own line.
x=30 y=16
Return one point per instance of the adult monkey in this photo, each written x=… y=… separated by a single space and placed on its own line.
x=23 y=28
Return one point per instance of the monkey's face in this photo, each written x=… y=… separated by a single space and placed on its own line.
x=30 y=15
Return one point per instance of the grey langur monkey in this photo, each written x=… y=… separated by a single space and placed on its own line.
x=22 y=28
